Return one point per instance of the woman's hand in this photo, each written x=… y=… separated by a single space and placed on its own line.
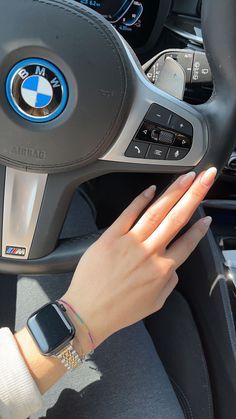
x=131 y=270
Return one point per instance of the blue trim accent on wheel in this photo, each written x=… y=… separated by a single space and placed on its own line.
x=58 y=74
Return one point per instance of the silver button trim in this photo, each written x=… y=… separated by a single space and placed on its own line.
x=22 y=202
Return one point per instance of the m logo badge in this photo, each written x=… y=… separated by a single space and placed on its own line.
x=15 y=251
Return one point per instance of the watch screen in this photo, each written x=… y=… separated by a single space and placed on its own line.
x=50 y=329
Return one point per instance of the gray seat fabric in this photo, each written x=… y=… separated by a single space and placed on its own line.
x=177 y=341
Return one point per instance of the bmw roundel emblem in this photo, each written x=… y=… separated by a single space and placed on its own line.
x=37 y=90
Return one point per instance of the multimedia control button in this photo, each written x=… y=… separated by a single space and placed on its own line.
x=181 y=125
x=201 y=69
x=158 y=66
x=137 y=150
x=166 y=137
x=155 y=135
x=185 y=59
x=157 y=152
x=144 y=133
x=151 y=74
x=159 y=115
x=177 y=153
x=181 y=141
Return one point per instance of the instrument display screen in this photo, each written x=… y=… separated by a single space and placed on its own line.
x=133 y=19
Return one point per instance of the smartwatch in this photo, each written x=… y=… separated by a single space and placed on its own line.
x=53 y=333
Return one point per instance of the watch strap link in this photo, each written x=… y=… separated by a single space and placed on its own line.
x=69 y=358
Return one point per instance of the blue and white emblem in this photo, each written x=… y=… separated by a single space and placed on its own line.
x=37 y=90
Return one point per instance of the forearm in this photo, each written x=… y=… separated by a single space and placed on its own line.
x=46 y=371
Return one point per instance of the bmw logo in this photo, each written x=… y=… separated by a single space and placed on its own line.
x=36 y=90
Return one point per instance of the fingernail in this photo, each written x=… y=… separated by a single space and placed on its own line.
x=208 y=177
x=150 y=192
x=187 y=179
x=207 y=221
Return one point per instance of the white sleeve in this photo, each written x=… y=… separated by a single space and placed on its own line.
x=19 y=395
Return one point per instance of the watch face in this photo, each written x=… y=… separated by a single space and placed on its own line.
x=51 y=329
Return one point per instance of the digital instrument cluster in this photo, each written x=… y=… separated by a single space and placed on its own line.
x=133 y=19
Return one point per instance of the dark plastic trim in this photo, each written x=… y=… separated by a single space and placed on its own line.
x=63 y=260
x=58 y=194
x=163 y=11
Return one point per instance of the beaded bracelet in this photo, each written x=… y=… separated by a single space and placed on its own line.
x=81 y=321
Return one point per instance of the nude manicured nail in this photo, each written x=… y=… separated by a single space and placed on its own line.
x=207 y=221
x=188 y=179
x=208 y=177
x=150 y=192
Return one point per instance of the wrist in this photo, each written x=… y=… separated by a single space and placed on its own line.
x=81 y=342
x=88 y=334
x=46 y=371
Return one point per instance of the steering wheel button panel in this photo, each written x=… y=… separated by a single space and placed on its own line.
x=177 y=153
x=157 y=152
x=162 y=133
x=159 y=115
x=150 y=133
x=137 y=150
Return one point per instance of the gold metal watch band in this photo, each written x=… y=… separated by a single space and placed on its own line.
x=69 y=358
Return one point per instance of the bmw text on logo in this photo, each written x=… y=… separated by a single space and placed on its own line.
x=16 y=251
x=37 y=90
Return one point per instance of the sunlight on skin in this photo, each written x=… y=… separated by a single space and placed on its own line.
x=129 y=272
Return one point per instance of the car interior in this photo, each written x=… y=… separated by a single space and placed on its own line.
x=147 y=92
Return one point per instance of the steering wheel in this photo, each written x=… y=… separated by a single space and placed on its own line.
x=74 y=100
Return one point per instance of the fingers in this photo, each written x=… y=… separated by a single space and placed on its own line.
x=179 y=216
x=128 y=217
x=158 y=211
x=183 y=247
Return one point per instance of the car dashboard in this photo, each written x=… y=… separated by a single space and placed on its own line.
x=139 y=22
